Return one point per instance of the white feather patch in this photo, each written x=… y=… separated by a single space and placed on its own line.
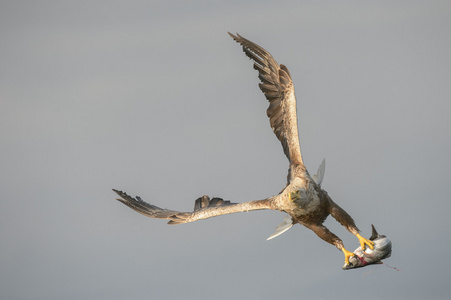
x=282 y=227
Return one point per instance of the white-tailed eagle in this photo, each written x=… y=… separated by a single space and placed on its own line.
x=302 y=199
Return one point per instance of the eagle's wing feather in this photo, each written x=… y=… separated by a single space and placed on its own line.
x=278 y=88
x=286 y=224
x=204 y=208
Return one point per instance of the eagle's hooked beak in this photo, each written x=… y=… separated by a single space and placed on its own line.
x=294 y=196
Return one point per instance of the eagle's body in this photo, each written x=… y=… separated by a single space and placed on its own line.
x=302 y=199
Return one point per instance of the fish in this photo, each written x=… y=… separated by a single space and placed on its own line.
x=365 y=257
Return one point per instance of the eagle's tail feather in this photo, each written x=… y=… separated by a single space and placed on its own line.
x=282 y=227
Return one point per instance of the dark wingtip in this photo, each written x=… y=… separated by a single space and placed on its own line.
x=120 y=194
x=235 y=37
x=374 y=234
x=124 y=197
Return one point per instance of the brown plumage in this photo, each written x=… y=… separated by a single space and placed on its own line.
x=302 y=199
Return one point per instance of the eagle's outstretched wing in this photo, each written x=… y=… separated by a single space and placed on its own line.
x=278 y=88
x=204 y=208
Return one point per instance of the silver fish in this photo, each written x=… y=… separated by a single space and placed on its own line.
x=362 y=258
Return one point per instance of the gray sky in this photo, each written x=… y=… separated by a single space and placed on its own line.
x=154 y=98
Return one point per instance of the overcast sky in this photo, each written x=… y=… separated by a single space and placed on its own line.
x=154 y=98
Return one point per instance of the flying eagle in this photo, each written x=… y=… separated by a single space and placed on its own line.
x=302 y=199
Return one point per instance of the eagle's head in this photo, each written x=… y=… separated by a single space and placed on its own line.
x=295 y=195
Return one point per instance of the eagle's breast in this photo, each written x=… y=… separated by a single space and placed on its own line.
x=308 y=202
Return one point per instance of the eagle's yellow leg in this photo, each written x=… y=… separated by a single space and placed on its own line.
x=363 y=241
x=347 y=254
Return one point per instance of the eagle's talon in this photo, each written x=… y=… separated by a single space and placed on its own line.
x=365 y=242
x=347 y=254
